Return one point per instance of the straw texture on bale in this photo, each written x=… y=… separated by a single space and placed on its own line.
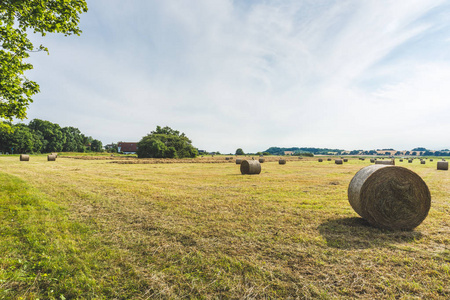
x=282 y=162
x=51 y=157
x=24 y=157
x=249 y=167
x=442 y=165
x=320 y=160
x=261 y=160
x=238 y=161
x=389 y=197
x=385 y=162
x=338 y=161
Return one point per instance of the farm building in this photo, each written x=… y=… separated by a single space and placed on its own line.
x=127 y=148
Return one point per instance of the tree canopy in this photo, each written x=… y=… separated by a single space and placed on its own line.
x=165 y=143
x=41 y=136
x=17 y=18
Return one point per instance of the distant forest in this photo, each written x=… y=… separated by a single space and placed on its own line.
x=296 y=150
x=41 y=136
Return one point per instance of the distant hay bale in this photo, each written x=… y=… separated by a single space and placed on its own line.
x=422 y=162
x=328 y=159
x=401 y=159
x=372 y=160
x=389 y=197
x=227 y=158
x=345 y=159
x=282 y=162
x=390 y=162
x=51 y=158
x=55 y=154
x=338 y=161
x=261 y=160
x=24 y=157
x=442 y=165
x=320 y=160
x=410 y=160
x=249 y=167
x=431 y=159
x=238 y=161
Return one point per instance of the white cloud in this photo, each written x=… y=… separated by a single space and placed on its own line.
x=290 y=73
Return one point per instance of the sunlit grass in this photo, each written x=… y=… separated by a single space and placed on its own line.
x=205 y=231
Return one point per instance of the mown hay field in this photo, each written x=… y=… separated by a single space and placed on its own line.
x=79 y=228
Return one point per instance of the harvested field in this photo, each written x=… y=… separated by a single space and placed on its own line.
x=85 y=228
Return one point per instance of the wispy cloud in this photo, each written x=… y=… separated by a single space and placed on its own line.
x=349 y=74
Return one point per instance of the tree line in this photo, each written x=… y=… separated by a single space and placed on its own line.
x=41 y=136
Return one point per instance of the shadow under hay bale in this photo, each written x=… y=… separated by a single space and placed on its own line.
x=386 y=162
x=357 y=233
x=389 y=197
x=338 y=161
x=442 y=165
x=51 y=158
x=282 y=162
x=24 y=157
x=250 y=167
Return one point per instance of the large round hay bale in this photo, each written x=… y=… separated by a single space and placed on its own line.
x=386 y=162
x=238 y=161
x=442 y=165
x=320 y=160
x=282 y=162
x=338 y=161
x=24 y=157
x=261 y=160
x=250 y=167
x=389 y=197
x=51 y=157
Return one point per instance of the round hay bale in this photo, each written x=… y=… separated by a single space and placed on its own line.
x=227 y=158
x=372 y=160
x=338 y=161
x=282 y=162
x=249 y=167
x=401 y=159
x=389 y=197
x=431 y=159
x=238 y=161
x=320 y=160
x=328 y=159
x=24 y=157
x=345 y=159
x=386 y=162
x=261 y=160
x=442 y=165
x=410 y=160
x=51 y=158
x=422 y=162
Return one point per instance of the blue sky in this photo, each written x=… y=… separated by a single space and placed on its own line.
x=253 y=74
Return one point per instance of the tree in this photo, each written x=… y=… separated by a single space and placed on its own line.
x=165 y=143
x=17 y=18
x=239 y=151
x=96 y=146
